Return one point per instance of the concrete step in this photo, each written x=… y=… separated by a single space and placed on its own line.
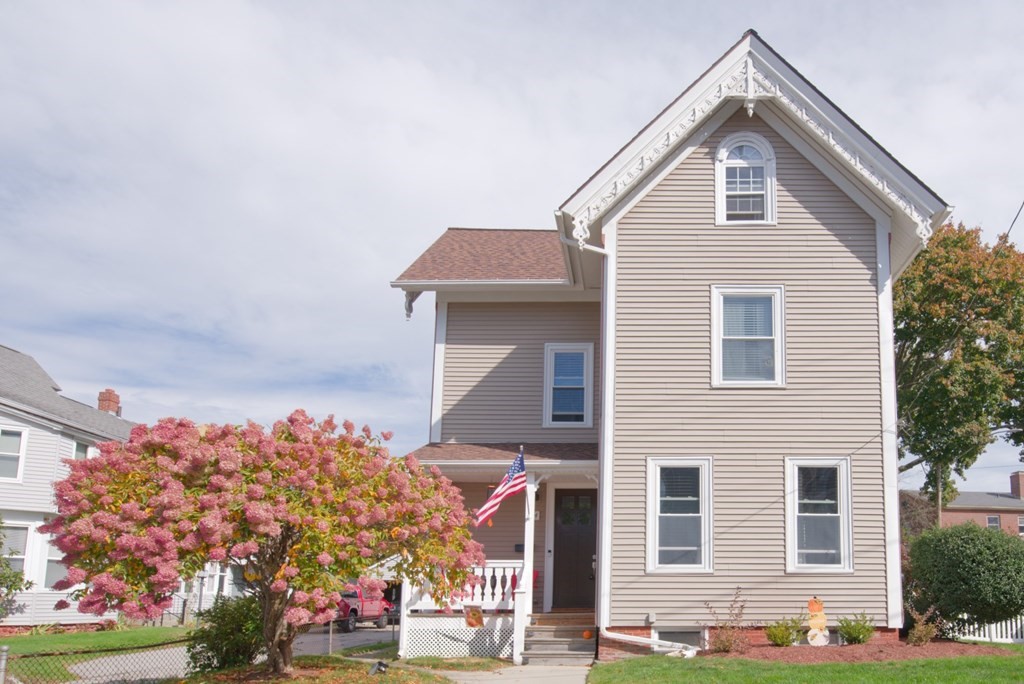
x=561 y=631
x=583 y=618
x=547 y=658
x=560 y=646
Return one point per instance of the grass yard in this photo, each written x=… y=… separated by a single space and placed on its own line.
x=728 y=670
x=459 y=664
x=325 y=670
x=54 y=668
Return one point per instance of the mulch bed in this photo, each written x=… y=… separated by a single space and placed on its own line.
x=863 y=653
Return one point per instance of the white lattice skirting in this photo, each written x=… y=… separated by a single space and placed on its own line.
x=446 y=636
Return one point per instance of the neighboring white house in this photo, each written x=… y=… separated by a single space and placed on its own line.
x=39 y=428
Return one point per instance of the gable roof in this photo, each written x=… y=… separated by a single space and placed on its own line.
x=26 y=388
x=476 y=256
x=749 y=72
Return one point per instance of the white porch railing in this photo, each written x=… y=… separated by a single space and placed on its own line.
x=429 y=630
x=1008 y=632
x=495 y=592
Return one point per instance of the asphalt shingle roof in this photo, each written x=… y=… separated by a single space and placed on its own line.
x=987 y=500
x=475 y=254
x=25 y=386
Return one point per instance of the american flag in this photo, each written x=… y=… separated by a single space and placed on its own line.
x=514 y=481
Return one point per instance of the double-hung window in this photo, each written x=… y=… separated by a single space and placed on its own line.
x=568 y=384
x=993 y=522
x=744 y=180
x=818 y=521
x=747 y=335
x=12 y=452
x=679 y=514
x=1020 y=525
x=81 y=451
x=14 y=545
x=55 y=570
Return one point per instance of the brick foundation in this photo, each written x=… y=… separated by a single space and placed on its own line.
x=610 y=650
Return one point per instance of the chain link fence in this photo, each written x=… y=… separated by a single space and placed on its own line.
x=152 y=663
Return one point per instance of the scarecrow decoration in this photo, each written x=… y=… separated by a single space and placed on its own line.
x=817 y=635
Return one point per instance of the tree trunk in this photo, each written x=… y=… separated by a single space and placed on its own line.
x=277 y=636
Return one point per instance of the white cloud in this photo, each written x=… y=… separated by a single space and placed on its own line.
x=202 y=204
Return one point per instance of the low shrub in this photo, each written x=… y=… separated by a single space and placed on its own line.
x=727 y=634
x=922 y=631
x=857 y=629
x=231 y=634
x=785 y=632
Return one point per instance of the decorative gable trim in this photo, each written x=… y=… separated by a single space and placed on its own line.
x=750 y=72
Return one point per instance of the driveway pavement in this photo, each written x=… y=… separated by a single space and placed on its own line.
x=319 y=641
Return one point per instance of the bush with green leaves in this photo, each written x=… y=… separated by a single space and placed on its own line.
x=971 y=575
x=230 y=634
x=785 y=632
x=857 y=629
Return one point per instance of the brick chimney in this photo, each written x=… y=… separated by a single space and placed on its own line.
x=111 y=403
x=1016 y=482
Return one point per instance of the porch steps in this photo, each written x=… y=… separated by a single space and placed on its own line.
x=558 y=639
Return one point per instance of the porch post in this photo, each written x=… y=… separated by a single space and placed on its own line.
x=524 y=588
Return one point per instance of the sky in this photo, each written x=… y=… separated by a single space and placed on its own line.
x=202 y=204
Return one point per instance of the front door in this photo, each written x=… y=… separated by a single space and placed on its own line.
x=575 y=544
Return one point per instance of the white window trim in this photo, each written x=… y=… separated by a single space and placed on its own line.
x=845 y=513
x=587 y=348
x=765 y=148
x=777 y=293
x=21 y=456
x=999 y=522
x=654 y=464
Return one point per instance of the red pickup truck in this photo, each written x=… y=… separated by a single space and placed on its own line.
x=355 y=608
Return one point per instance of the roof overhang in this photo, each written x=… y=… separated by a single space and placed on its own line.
x=752 y=71
x=490 y=471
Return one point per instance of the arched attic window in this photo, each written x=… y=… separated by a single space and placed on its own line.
x=744 y=180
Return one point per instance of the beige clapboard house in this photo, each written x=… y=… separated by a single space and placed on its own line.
x=699 y=362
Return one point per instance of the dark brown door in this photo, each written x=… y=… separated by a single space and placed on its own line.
x=575 y=544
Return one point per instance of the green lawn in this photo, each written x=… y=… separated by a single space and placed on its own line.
x=325 y=670
x=54 y=668
x=727 y=670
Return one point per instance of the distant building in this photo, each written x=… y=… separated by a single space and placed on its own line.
x=39 y=428
x=999 y=510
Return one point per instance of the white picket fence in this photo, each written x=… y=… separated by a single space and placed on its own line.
x=1009 y=632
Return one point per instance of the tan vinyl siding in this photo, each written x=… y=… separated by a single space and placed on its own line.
x=494 y=369
x=500 y=539
x=670 y=253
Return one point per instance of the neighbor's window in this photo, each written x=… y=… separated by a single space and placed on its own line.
x=818 y=525
x=81 y=451
x=55 y=570
x=1020 y=525
x=747 y=335
x=678 y=514
x=744 y=180
x=12 y=449
x=568 y=384
x=994 y=522
x=15 y=542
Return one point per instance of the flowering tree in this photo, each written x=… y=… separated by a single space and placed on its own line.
x=305 y=511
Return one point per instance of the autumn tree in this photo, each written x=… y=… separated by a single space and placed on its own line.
x=959 y=334
x=305 y=510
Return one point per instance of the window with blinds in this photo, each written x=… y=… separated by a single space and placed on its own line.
x=679 y=514
x=568 y=384
x=818 y=522
x=747 y=330
x=15 y=542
